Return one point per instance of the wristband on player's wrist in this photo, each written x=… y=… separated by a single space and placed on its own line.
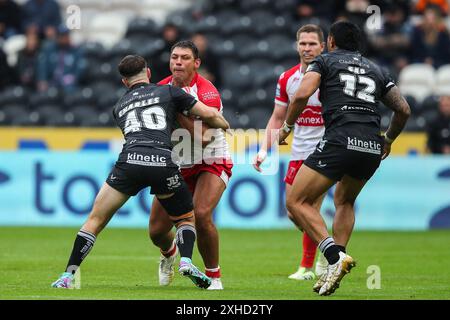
x=262 y=154
x=287 y=127
x=387 y=139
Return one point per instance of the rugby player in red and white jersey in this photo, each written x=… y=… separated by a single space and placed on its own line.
x=308 y=131
x=207 y=177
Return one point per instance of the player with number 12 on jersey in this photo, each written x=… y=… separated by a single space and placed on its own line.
x=146 y=115
x=352 y=147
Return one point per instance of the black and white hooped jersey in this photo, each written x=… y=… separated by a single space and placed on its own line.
x=146 y=114
x=351 y=87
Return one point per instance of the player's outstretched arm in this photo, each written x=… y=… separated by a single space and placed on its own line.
x=395 y=101
x=275 y=123
x=210 y=115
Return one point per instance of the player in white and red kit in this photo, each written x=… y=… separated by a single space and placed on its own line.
x=308 y=131
x=206 y=171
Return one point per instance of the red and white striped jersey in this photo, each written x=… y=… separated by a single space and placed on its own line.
x=309 y=127
x=204 y=91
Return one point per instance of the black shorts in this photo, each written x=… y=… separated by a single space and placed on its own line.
x=354 y=151
x=138 y=168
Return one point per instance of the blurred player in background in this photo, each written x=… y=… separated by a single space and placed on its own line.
x=352 y=147
x=207 y=177
x=146 y=115
x=307 y=134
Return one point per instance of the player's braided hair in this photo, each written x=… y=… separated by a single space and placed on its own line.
x=347 y=35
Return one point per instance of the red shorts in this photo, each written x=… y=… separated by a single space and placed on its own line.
x=222 y=170
x=292 y=170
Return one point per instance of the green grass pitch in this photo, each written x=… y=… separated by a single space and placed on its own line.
x=255 y=265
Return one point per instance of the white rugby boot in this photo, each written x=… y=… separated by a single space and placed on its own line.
x=336 y=272
x=216 y=284
x=321 y=265
x=166 y=269
x=303 y=274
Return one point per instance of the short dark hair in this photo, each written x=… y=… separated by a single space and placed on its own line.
x=347 y=35
x=187 y=44
x=436 y=9
x=131 y=65
x=309 y=28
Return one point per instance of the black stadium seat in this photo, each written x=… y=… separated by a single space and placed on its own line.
x=282 y=47
x=255 y=97
x=263 y=22
x=255 y=117
x=219 y=5
x=142 y=26
x=208 y=24
x=232 y=23
x=183 y=19
x=84 y=115
x=14 y=95
x=51 y=96
x=106 y=102
x=283 y=6
x=105 y=88
x=105 y=119
x=430 y=103
x=254 y=50
x=251 y=5
x=414 y=105
x=93 y=50
x=229 y=97
x=237 y=76
x=14 y=114
x=263 y=72
x=51 y=115
x=80 y=96
x=233 y=116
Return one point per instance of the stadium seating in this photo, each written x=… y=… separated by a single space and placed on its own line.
x=14 y=95
x=443 y=79
x=107 y=28
x=417 y=80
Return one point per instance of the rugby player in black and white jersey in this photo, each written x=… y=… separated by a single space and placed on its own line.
x=352 y=147
x=146 y=115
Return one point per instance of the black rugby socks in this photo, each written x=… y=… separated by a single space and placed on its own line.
x=185 y=239
x=82 y=246
x=330 y=250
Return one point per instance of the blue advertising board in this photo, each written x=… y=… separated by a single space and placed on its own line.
x=44 y=188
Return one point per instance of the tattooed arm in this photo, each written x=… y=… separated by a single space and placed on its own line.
x=395 y=101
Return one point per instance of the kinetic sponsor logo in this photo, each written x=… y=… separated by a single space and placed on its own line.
x=363 y=146
x=146 y=160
